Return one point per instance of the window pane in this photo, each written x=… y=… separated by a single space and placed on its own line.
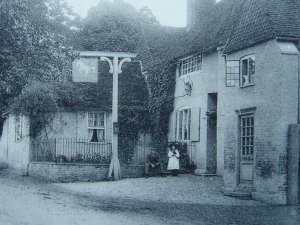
x=247 y=136
x=232 y=73
x=251 y=66
x=191 y=65
x=245 y=67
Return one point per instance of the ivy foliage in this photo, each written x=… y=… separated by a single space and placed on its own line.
x=109 y=26
x=40 y=102
x=118 y=26
x=33 y=45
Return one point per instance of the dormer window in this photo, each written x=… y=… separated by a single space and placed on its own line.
x=190 y=65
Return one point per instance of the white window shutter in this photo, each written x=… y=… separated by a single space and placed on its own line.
x=195 y=124
x=174 y=130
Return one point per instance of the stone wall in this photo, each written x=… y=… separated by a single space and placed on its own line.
x=67 y=172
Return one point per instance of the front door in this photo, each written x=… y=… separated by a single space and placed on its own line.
x=246 y=148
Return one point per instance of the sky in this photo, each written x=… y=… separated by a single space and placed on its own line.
x=168 y=12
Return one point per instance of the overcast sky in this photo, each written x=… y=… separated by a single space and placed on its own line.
x=168 y=12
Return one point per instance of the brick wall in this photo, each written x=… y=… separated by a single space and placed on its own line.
x=62 y=172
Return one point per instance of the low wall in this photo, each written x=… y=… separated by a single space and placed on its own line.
x=68 y=172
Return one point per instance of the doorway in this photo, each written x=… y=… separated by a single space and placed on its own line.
x=211 y=148
x=246 y=148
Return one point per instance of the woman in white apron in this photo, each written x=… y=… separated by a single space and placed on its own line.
x=173 y=163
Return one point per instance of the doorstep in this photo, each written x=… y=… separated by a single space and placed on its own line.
x=242 y=191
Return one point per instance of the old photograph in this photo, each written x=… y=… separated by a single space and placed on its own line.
x=149 y=112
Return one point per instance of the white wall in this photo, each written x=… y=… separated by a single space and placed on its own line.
x=204 y=81
x=15 y=154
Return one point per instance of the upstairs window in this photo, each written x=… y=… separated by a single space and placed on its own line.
x=240 y=72
x=18 y=128
x=232 y=73
x=183 y=125
x=96 y=126
x=247 y=70
x=190 y=65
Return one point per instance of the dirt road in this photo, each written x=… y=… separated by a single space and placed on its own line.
x=24 y=201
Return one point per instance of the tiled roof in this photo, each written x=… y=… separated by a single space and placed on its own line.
x=237 y=24
x=215 y=30
x=264 y=20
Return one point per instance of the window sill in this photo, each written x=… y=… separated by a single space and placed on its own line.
x=184 y=141
x=248 y=85
x=189 y=74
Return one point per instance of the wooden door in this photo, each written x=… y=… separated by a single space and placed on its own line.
x=246 y=148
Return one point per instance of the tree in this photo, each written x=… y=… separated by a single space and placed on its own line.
x=146 y=16
x=110 y=27
x=33 y=45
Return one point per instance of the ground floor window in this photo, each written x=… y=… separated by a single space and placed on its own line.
x=96 y=126
x=247 y=136
x=183 y=124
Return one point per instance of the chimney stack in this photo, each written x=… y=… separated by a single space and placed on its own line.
x=198 y=12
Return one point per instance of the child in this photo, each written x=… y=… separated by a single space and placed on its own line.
x=173 y=163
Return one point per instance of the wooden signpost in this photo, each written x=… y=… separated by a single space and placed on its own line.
x=115 y=61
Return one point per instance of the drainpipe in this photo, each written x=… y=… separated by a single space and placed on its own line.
x=7 y=139
x=298 y=119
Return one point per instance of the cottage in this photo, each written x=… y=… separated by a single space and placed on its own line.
x=238 y=92
x=76 y=144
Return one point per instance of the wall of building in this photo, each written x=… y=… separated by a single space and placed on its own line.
x=73 y=125
x=60 y=172
x=275 y=96
x=15 y=154
x=203 y=82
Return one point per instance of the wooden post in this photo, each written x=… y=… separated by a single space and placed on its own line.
x=116 y=163
x=115 y=68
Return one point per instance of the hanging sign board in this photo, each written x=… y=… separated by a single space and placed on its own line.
x=85 y=70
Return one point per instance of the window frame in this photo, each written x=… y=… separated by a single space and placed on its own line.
x=18 y=128
x=251 y=76
x=96 y=127
x=190 y=65
x=247 y=136
x=183 y=124
x=227 y=73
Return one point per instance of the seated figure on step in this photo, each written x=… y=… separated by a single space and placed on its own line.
x=153 y=165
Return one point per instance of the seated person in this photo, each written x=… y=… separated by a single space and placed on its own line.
x=154 y=163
